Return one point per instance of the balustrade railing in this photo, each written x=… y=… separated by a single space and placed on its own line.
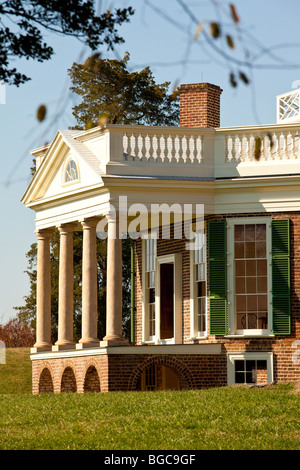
x=267 y=145
x=164 y=148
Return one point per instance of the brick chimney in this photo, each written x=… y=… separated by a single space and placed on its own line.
x=200 y=105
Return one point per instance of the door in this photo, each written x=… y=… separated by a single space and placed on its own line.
x=166 y=300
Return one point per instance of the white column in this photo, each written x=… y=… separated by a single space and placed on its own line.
x=66 y=289
x=43 y=294
x=114 y=285
x=89 y=285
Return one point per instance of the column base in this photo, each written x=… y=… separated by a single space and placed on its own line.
x=63 y=346
x=89 y=343
x=41 y=347
x=36 y=349
x=114 y=341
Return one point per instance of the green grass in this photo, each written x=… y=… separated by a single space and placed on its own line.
x=15 y=374
x=223 y=418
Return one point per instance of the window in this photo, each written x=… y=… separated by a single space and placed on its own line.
x=71 y=172
x=149 y=379
x=198 y=283
x=250 y=368
x=249 y=275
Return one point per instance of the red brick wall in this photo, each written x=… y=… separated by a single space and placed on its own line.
x=283 y=347
x=102 y=372
x=200 y=105
x=69 y=375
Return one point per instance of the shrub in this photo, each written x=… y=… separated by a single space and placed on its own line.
x=17 y=334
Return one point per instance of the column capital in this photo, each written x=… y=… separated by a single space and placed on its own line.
x=68 y=227
x=90 y=222
x=44 y=233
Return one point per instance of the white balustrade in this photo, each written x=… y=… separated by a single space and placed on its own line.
x=269 y=145
x=173 y=148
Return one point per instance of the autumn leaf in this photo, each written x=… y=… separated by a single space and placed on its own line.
x=244 y=78
x=102 y=121
x=91 y=60
x=232 y=80
x=199 y=30
x=234 y=14
x=215 y=30
x=257 y=148
x=270 y=140
x=230 y=41
x=41 y=112
x=89 y=125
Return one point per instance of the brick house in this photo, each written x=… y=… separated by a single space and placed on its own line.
x=215 y=251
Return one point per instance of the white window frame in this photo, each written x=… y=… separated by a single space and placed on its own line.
x=232 y=329
x=65 y=166
x=176 y=260
x=249 y=356
x=195 y=333
x=146 y=338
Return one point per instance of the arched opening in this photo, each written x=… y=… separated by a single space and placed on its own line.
x=68 y=381
x=161 y=373
x=46 y=383
x=91 y=381
x=159 y=377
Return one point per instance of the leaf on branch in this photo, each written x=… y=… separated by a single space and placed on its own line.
x=232 y=80
x=234 y=14
x=102 y=121
x=175 y=93
x=89 y=124
x=230 y=41
x=41 y=113
x=91 y=60
x=257 y=148
x=270 y=140
x=215 y=30
x=199 y=30
x=244 y=78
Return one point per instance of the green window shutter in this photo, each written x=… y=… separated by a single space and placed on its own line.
x=281 y=295
x=217 y=267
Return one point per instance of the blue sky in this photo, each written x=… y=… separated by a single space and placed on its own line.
x=151 y=40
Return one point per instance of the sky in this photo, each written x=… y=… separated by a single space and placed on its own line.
x=160 y=35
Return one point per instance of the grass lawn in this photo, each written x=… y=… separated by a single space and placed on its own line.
x=224 y=418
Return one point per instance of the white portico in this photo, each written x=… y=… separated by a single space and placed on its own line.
x=79 y=178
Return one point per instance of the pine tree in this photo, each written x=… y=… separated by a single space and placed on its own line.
x=109 y=92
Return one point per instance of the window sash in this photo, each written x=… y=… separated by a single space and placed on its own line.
x=249 y=292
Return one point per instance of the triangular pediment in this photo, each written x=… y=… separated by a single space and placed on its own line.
x=68 y=166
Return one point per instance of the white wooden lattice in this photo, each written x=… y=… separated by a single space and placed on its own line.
x=288 y=107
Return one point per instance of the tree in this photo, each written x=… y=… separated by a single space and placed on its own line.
x=110 y=92
x=23 y=23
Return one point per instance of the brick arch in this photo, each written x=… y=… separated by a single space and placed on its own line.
x=185 y=376
x=68 y=380
x=45 y=381
x=91 y=379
